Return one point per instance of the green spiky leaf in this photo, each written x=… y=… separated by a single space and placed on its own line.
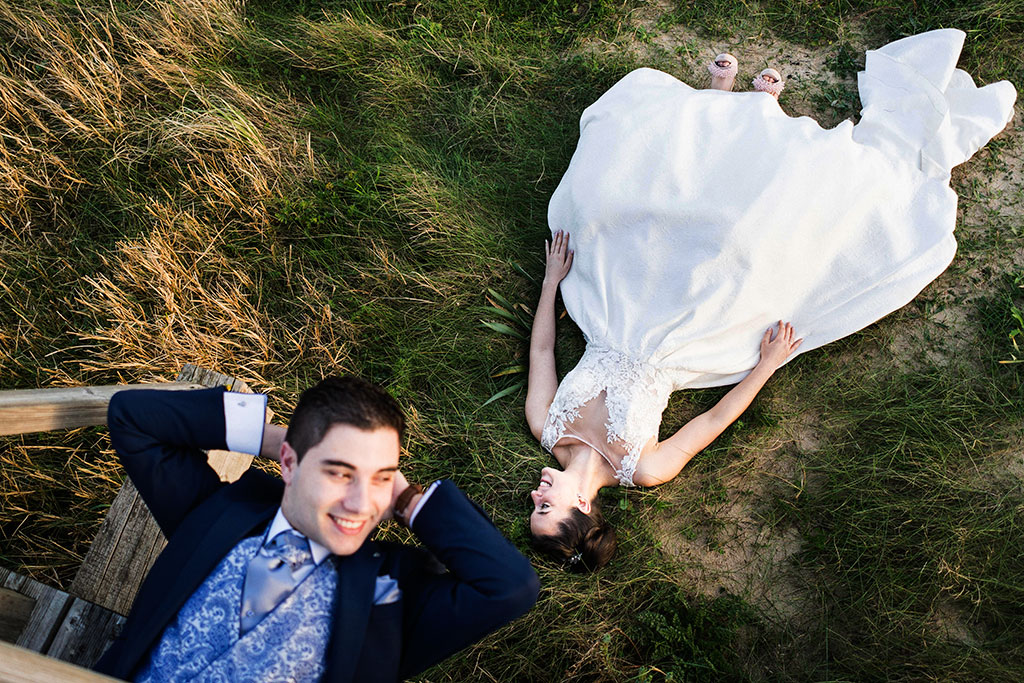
x=502 y=328
x=505 y=392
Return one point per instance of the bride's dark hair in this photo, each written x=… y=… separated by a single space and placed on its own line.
x=583 y=542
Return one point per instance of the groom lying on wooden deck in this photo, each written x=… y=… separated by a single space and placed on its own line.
x=265 y=579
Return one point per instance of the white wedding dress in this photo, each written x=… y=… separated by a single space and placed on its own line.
x=699 y=218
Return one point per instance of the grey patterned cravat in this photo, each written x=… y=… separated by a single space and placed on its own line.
x=270 y=576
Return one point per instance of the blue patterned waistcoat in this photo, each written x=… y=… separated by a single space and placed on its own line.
x=290 y=643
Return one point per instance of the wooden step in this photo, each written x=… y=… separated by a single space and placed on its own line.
x=53 y=623
x=129 y=540
x=18 y=665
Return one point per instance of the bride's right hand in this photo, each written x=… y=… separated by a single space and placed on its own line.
x=558 y=258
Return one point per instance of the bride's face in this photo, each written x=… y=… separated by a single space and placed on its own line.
x=553 y=499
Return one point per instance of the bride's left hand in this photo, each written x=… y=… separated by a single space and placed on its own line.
x=774 y=352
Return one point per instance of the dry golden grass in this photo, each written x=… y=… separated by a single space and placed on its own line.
x=136 y=180
x=48 y=499
x=131 y=89
x=122 y=106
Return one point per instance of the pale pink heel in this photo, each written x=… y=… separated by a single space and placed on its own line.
x=769 y=81
x=723 y=71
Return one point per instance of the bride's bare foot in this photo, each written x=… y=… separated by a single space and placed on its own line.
x=723 y=71
x=769 y=81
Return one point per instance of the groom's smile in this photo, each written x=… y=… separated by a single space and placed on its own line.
x=347 y=526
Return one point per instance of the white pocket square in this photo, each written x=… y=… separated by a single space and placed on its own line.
x=386 y=591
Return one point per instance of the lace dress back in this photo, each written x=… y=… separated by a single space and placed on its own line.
x=612 y=403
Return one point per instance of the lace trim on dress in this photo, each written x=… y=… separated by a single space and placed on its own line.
x=636 y=394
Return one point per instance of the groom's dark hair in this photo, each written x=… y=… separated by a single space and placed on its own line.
x=583 y=542
x=346 y=400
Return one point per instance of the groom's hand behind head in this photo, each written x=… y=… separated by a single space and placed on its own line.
x=400 y=483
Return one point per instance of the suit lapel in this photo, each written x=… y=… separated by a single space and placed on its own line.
x=357 y=574
x=200 y=543
x=210 y=548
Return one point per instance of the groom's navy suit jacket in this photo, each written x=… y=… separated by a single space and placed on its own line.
x=158 y=436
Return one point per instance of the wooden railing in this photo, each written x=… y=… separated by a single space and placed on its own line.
x=18 y=665
x=77 y=626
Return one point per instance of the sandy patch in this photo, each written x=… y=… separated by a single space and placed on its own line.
x=745 y=558
x=738 y=548
x=950 y=622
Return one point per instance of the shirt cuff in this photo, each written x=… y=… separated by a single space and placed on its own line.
x=244 y=418
x=423 y=499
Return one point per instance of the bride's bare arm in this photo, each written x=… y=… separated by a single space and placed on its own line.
x=672 y=454
x=543 y=379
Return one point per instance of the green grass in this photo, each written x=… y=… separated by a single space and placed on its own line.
x=316 y=187
x=916 y=518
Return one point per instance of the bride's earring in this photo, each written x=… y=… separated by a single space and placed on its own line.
x=723 y=71
x=769 y=81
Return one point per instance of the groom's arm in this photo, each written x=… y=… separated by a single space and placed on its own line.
x=160 y=438
x=488 y=584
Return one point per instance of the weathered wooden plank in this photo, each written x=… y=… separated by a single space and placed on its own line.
x=15 y=610
x=121 y=554
x=129 y=540
x=85 y=633
x=18 y=665
x=23 y=411
x=211 y=378
x=57 y=624
x=49 y=610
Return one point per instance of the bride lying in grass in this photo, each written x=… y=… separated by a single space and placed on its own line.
x=699 y=219
x=566 y=520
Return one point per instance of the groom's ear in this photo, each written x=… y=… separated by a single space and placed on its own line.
x=289 y=462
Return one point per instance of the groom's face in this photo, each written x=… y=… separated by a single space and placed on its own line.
x=342 y=487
